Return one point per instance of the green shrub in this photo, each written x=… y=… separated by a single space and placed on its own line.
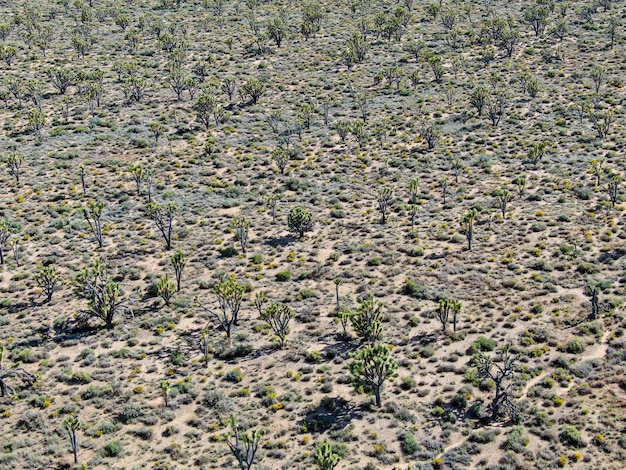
x=571 y=437
x=591 y=328
x=229 y=252
x=482 y=437
x=283 y=276
x=459 y=401
x=112 y=449
x=587 y=268
x=234 y=375
x=575 y=346
x=416 y=291
x=427 y=351
x=128 y=413
x=177 y=359
x=483 y=344
x=307 y=294
x=408 y=444
x=377 y=261
x=408 y=383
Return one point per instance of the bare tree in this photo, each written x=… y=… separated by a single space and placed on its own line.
x=163 y=215
x=6 y=373
x=501 y=372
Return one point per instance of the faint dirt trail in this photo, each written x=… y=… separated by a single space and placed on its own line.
x=597 y=351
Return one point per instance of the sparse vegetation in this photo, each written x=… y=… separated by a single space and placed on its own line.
x=215 y=208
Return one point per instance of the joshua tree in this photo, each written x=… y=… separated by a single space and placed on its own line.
x=500 y=372
x=14 y=162
x=165 y=289
x=324 y=457
x=48 y=279
x=81 y=172
x=357 y=47
x=496 y=106
x=602 y=122
x=597 y=168
x=305 y=114
x=446 y=308
x=157 y=130
x=479 y=98
x=36 y=121
x=443 y=182
x=467 y=223
x=8 y=53
x=612 y=188
x=244 y=446
x=252 y=90
x=367 y=321
x=538 y=151
x=208 y=109
x=272 y=201
x=163 y=216
x=137 y=171
x=592 y=291
x=205 y=345
x=383 y=197
x=241 y=227
x=281 y=157
x=93 y=216
x=71 y=424
x=413 y=206
x=149 y=178
x=229 y=85
x=363 y=101
x=598 y=75
x=5 y=373
x=7 y=228
x=229 y=294
x=278 y=316
x=300 y=220
x=521 y=182
x=104 y=295
x=358 y=131
x=431 y=134
x=435 y=65
x=337 y=281
x=372 y=365
x=613 y=28
x=165 y=386
x=178 y=261
x=277 y=30
x=503 y=197
x=537 y=17
x=260 y=299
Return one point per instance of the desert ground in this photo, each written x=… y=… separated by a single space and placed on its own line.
x=225 y=225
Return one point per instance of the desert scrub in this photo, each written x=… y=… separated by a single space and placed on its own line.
x=234 y=375
x=482 y=344
x=283 y=276
x=515 y=441
x=571 y=437
x=112 y=449
x=129 y=413
x=573 y=346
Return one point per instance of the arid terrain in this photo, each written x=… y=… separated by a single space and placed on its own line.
x=225 y=225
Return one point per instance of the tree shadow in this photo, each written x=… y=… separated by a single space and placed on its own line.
x=340 y=348
x=280 y=242
x=332 y=413
x=609 y=257
x=425 y=339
